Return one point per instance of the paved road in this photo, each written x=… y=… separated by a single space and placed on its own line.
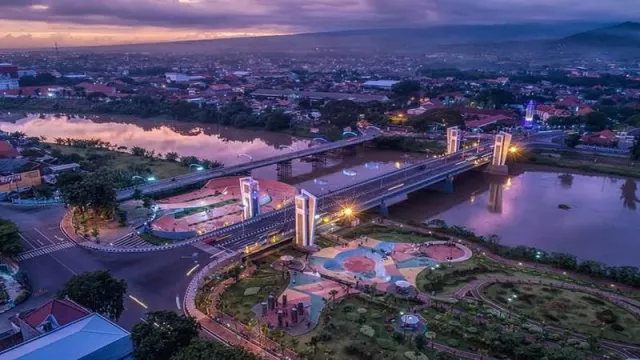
x=155 y=278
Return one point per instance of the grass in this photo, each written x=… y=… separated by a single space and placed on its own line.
x=340 y=326
x=584 y=165
x=574 y=310
x=122 y=161
x=385 y=233
x=269 y=281
x=154 y=240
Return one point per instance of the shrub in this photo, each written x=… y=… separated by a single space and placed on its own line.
x=358 y=351
x=386 y=344
x=22 y=297
x=453 y=343
x=617 y=327
x=367 y=330
x=593 y=301
x=348 y=308
x=399 y=337
x=607 y=316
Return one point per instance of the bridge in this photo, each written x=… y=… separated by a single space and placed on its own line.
x=204 y=175
x=380 y=191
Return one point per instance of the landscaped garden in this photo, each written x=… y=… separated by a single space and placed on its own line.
x=574 y=310
x=386 y=233
x=238 y=298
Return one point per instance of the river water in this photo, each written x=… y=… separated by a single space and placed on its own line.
x=602 y=223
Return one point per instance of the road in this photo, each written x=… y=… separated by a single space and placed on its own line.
x=158 y=279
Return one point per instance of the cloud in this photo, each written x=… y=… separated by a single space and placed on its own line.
x=287 y=16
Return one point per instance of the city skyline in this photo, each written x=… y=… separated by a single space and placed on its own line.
x=40 y=23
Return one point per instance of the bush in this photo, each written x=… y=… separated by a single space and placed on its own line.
x=617 y=327
x=359 y=351
x=453 y=343
x=386 y=344
x=22 y=297
x=399 y=337
x=348 y=308
x=367 y=330
x=607 y=316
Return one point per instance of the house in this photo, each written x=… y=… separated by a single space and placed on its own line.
x=545 y=112
x=7 y=151
x=220 y=89
x=487 y=120
x=379 y=84
x=90 y=88
x=602 y=138
x=584 y=110
x=62 y=329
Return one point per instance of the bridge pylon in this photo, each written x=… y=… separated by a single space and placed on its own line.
x=284 y=170
x=500 y=151
x=453 y=140
x=306 y=205
x=250 y=193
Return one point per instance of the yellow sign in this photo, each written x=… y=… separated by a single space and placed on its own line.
x=18 y=181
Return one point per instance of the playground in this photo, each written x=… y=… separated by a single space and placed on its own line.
x=217 y=204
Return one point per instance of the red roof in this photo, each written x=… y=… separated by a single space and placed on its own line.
x=546 y=108
x=64 y=311
x=219 y=87
x=486 y=121
x=569 y=101
x=7 y=150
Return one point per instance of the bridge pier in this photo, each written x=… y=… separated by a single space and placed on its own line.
x=445 y=186
x=383 y=209
x=348 y=151
x=318 y=162
x=284 y=170
x=500 y=151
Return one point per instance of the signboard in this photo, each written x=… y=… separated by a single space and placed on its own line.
x=17 y=181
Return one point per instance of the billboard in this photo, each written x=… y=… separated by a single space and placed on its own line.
x=17 y=181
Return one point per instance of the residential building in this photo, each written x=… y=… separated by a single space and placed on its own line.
x=602 y=138
x=380 y=84
x=9 y=77
x=62 y=329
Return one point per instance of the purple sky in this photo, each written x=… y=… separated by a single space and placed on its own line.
x=77 y=22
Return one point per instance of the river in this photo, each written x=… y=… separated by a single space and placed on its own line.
x=603 y=222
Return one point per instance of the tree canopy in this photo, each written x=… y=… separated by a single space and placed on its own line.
x=496 y=98
x=440 y=117
x=200 y=349
x=97 y=291
x=9 y=238
x=91 y=192
x=163 y=335
x=406 y=89
x=596 y=121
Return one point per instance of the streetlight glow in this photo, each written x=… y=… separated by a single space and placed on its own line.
x=348 y=211
x=513 y=149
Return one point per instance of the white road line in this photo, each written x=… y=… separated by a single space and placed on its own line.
x=43 y=235
x=59 y=238
x=27 y=241
x=65 y=266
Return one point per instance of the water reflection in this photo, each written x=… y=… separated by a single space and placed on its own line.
x=566 y=180
x=628 y=194
x=601 y=224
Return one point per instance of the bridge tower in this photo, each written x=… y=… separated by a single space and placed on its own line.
x=306 y=206
x=250 y=192
x=500 y=151
x=453 y=140
x=495 y=198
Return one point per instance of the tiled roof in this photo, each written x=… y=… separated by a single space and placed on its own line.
x=64 y=311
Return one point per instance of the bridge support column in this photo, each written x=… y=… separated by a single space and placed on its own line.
x=284 y=170
x=445 y=186
x=250 y=192
x=306 y=205
x=500 y=151
x=318 y=162
x=348 y=150
x=453 y=140
x=383 y=209
x=495 y=198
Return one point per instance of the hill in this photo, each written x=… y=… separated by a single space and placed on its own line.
x=370 y=40
x=622 y=35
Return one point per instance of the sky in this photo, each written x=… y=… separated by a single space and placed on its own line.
x=40 y=23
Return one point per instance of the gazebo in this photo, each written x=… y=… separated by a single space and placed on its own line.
x=403 y=287
x=409 y=321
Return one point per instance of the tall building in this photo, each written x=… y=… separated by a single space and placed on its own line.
x=306 y=206
x=9 y=77
x=250 y=192
x=531 y=112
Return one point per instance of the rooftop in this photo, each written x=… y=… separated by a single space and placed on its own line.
x=64 y=311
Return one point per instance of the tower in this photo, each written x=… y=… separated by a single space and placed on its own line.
x=500 y=152
x=453 y=140
x=306 y=205
x=250 y=192
x=531 y=112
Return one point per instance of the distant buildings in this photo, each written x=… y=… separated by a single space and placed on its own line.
x=380 y=84
x=315 y=95
x=9 y=77
x=62 y=329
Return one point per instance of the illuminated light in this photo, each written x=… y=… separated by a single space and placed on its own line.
x=192 y=269
x=513 y=149
x=520 y=264
x=151 y=178
x=564 y=273
x=138 y=302
x=398 y=165
x=612 y=285
x=326 y=220
x=40 y=7
x=348 y=211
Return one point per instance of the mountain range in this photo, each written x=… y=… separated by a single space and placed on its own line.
x=373 y=40
x=621 y=35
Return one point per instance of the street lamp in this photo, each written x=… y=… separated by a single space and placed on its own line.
x=513 y=149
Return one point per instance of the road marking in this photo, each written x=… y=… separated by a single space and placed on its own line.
x=27 y=241
x=138 y=301
x=58 y=238
x=193 y=269
x=45 y=236
x=178 y=302
x=65 y=266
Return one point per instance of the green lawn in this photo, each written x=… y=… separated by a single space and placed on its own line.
x=121 y=160
x=385 y=233
x=154 y=240
x=270 y=281
x=339 y=335
x=574 y=310
x=584 y=165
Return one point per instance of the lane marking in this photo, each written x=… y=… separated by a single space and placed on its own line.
x=43 y=235
x=60 y=262
x=59 y=238
x=193 y=269
x=138 y=301
x=27 y=241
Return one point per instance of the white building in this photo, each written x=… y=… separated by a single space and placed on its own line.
x=9 y=77
x=380 y=84
x=176 y=77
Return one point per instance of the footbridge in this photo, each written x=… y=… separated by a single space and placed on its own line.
x=204 y=175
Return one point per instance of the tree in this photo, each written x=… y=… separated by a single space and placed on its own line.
x=634 y=120
x=437 y=117
x=333 y=293
x=235 y=272
x=10 y=244
x=94 y=192
x=122 y=217
x=200 y=349
x=495 y=98
x=595 y=121
x=635 y=150
x=137 y=194
x=420 y=341
x=147 y=202
x=406 y=89
x=163 y=334
x=171 y=156
x=98 y=291
x=277 y=120
x=572 y=140
x=138 y=151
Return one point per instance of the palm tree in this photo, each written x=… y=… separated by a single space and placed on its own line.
x=59 y=141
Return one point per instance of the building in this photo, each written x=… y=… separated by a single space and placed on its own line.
x=90 y=88
x=176 y=77
x=26 y=72
x=602 y=138
x=220 y=89
x=316 y=95
x=9 y=77
x=62 y=329
x=380 y=84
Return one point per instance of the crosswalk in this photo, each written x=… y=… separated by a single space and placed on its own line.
x=44 y=250
x=131 y=240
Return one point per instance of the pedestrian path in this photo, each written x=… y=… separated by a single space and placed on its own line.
x=131 y=240
x=44 y=250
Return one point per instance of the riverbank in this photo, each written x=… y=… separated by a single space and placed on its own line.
x=556 y=161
